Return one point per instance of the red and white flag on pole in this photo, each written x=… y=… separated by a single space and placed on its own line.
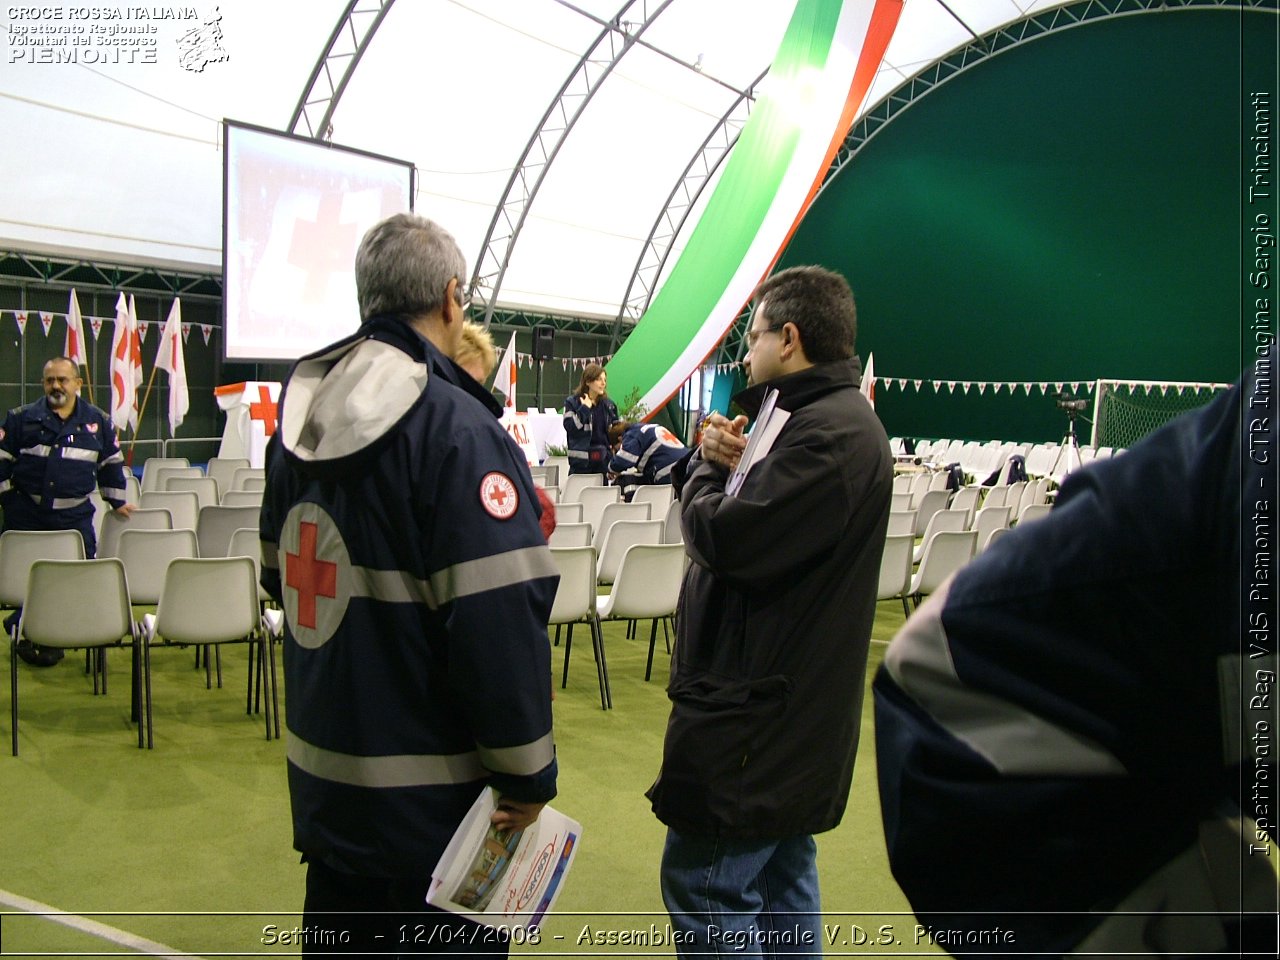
x=505 y=380
x=74 y=347
x=869 y=380
x=126 y=367
x=170 y=360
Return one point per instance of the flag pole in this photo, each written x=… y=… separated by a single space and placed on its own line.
x=141 y=413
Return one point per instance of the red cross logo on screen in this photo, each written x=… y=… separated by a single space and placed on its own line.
x=264 y=410
x=310 y=576
x=322 y=247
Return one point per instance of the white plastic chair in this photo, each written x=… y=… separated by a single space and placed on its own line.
x=247 y=542
x=19 y=549
x=575 y=602
x=132 y=488
x=902 y=483
x=1036 y=511
x=622 y=536
x=613 y=513
x=241 y=498
x=204 y=602
x=988 y=520
x=146 y=555
x=163 y=476
x=895 y=568
x=930 y=503
x=570 y=535
x=995 y=496
x=574 y=483
x=249 y=478
x=594 y=500
x=183 y=505
x=114 y=526
x=99 y=617
x=942 y=521
x=153 y=465
x=919 y=487
x=223 y=469
x=901 y=521
x=568 y=512
x=647 y=587
x=947 y=552
x=216 y=524
x=659 y=496
x=966 y=499
x=672 y=532
x=205 y=488
x=900 y=502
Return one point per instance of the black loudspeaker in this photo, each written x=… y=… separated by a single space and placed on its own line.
x=544 y=343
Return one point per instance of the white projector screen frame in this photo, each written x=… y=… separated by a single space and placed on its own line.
x=293 y=213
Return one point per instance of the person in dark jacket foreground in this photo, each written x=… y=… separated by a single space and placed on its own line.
x=1075 y=735
x=400 y=535
x=774 y=624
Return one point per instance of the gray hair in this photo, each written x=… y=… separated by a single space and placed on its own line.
x=403 y=266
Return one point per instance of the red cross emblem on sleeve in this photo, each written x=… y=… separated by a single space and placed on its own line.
x=499 y=496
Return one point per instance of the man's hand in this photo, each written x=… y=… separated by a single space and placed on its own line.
x=722 y=440
x=515 y=814
x=124 y=510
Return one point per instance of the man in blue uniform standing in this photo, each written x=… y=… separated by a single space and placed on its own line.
x=400 y=534
x=53 y=452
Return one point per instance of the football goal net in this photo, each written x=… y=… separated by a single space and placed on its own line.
x=1125 y=411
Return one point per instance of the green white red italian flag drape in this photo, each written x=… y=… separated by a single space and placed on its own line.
x=825 y=66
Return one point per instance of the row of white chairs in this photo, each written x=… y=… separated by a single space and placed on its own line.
x=198 y=601
x=213 y=526
x=917 y=561
x=982 y=459
x=646 y=586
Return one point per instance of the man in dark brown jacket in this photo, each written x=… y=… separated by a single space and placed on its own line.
x=774 y=623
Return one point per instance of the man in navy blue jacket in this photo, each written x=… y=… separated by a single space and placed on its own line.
x=400 y=533
x=1067 y=733
x=53 y=454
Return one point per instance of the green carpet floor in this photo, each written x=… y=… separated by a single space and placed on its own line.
x=187 y=848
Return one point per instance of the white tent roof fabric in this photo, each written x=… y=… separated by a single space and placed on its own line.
x=121 y=161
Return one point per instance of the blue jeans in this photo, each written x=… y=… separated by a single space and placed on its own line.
x=736 y=898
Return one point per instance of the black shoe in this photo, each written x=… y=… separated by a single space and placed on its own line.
x=39 y=656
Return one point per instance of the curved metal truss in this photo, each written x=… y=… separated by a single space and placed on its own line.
x=680 y=202
x=733 y=347
x=618 y=36
x=351 y=36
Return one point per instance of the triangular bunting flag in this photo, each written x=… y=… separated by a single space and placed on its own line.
x=186 y=332
x=1026 y=388
x=937 y=386
x=46 y=321
x=207 y=330
x=21 y=317
x=982 y=387
x=951 y=386
x=143 y=326
x=966 y=385
x=917 y=383
x=95 y=324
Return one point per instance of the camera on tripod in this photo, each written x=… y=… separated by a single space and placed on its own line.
x=1067 y=402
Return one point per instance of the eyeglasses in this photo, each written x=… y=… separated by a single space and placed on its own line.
x=754 y=335
x=461 y=298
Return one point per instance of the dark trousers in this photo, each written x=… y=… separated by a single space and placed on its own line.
x=21 y=514
x=346 y=914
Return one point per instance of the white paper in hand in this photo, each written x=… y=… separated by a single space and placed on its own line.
x=504 y=878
